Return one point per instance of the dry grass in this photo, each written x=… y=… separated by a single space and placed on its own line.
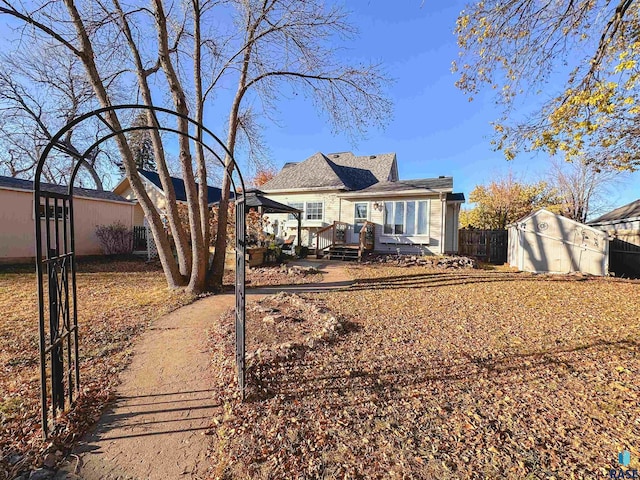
x=466 y=374
x=116 y=301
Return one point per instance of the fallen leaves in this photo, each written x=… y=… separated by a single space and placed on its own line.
x=462 y=374
x=116 y=302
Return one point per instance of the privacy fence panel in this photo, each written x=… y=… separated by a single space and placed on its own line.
x=624 y=255
x=488 y=246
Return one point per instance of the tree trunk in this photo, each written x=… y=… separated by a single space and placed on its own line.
x=177 y=231
x=197 y=282
x=169 y=265
x=217 y=267
x=203 y=191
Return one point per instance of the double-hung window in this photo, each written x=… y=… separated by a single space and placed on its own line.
x=313 y=211
x=407 y=218
x=297 y=205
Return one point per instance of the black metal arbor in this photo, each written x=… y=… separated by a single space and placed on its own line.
x=56 y=258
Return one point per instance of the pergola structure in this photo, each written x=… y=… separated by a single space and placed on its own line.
x=255 y=199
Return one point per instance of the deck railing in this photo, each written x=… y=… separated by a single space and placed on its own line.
x=367 y=237
x=327 y=237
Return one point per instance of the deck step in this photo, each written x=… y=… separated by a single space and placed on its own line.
x=343 y=253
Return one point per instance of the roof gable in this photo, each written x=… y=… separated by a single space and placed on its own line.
x=21 y=184
x=562 y=218
x=342 y=171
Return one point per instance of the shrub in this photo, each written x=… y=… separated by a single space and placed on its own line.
x=116 y=239
x=302 y=251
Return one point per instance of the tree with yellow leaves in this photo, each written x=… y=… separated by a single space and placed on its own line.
x=579 y=58
x=505 y=200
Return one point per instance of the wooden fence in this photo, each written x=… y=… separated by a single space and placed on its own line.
x=488 y=246
x=624 y=254
x=139 y=238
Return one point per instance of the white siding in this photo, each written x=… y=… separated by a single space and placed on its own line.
x=343 y=209
x=331 y=213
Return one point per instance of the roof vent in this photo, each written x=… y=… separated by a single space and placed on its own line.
x=372 y=157
x=336 y=155
x=441 y=176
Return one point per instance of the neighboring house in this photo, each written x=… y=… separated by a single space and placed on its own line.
x=626 y=217
x=623 y=224
x=91 y=208
x=408 y=216
x=153 y=186
x=545 y=242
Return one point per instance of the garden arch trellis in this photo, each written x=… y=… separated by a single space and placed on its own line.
x=55 y=258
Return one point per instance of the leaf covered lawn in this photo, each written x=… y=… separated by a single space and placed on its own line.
x=116 y=301
x=465 y=374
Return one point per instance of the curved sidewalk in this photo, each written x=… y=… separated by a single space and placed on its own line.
x=155 y=429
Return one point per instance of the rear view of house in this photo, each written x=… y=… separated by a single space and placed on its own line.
x=339 y=194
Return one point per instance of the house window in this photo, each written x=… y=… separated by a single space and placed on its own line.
x=406 y=218
x=314 y=211
x=360 y=216
x=297 y=205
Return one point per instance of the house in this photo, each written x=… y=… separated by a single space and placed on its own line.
x=153 y=186
x=339 y=194
x=623 y=224
x=626 y=217
x=545 y=242
x=91 y=208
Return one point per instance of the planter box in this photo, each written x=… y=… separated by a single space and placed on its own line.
x=256 y=256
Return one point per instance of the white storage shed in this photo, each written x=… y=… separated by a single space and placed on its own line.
x=545 y=242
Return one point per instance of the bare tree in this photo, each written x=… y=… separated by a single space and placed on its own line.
x=41 y=89
x=274 y=44
x=285 y=44
x=582 y=188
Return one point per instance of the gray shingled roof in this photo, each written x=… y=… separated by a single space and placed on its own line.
x=441 y=183
x=342 y=171
x=20 y=184
x=630 y=210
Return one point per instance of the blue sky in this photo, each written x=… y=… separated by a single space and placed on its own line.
x=435 y=129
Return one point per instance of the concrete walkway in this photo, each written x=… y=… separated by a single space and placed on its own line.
x=155 y=430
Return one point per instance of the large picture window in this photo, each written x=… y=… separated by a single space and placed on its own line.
x=314 y=211
x=407 y=218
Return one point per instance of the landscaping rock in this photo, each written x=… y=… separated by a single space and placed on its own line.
x=424 y=261
x=273 y=319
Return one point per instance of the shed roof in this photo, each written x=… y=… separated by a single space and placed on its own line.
x=628 y=211
x=12 y=183
x=342 y=171
x=558 y=216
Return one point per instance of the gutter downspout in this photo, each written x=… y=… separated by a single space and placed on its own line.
x=443 y=225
